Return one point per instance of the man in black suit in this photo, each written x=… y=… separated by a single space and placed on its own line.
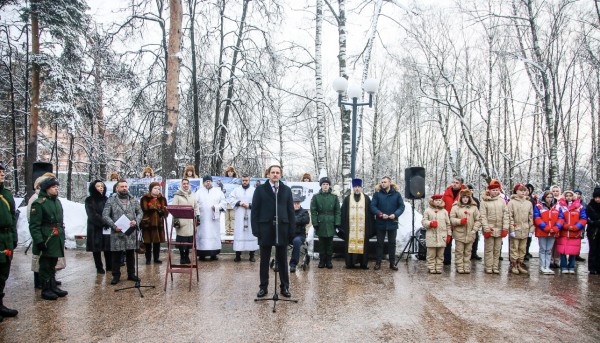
x=263 y=227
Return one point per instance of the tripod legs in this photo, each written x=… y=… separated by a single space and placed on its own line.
x=138 y=282
x=410 y=248
x=413 y=243
x=275 y=297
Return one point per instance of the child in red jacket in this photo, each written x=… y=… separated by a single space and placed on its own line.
x=546 y=217
x=569 y=237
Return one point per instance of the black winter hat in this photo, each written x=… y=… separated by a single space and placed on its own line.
x=530 y=187
x=207 y=178
x=49 y=182
x=596 y=192
x=324 y=180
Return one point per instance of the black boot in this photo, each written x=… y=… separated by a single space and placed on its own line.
x=133 y=277
x=252 y=259
x=181 y=256
x=58 y=283
x=238 y=256
x=47 y=293
x=5 y=311
x=322 y=259
x=37 y=284
x=186 y=257
x=98 y=262
x=156 y=253
x=328 y=263
x=108 y=261
x=57 y=290
x=148 y=252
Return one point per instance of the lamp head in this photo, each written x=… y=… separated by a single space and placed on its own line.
x=354 y=91
x=340 y=84
x=370 y=86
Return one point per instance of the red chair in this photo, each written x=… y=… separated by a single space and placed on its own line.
x=181 y=212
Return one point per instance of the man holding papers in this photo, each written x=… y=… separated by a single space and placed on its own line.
x=122 y=213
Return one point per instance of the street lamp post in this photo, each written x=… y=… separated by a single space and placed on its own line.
x=340 y=85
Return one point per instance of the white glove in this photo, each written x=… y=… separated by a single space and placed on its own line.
x=530 y=234
x=513 y=234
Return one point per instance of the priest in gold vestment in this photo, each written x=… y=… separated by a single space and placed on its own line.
x=356 y=226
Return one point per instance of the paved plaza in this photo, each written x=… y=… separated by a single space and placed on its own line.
x=337 y=305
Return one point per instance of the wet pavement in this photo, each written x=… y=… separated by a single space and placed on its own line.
x=337 y=305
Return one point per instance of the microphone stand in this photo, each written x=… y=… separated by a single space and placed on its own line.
x=138 y=283
x=275 y=263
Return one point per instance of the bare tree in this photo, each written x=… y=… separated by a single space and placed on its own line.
x=169 y=147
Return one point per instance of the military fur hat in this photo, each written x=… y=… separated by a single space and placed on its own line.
x=324 y=180
x=49 y=182
x=39 y=180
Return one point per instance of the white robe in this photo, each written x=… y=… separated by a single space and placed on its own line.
x=208 y=236
x=243 y=240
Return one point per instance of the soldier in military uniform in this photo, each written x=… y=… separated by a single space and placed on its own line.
x=8 y=240
x=48 y=234
x=326 y=219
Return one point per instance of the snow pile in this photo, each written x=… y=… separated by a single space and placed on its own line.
x=74 y=217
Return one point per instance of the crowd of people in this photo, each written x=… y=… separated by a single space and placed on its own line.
x=270 y=215
x=558 y=220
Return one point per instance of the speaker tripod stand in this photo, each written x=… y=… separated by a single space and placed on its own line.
x=412 y=245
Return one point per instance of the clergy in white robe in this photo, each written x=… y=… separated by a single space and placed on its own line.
x=208 y=237
x=240 y=199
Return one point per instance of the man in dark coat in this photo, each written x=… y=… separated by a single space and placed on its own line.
x=302 y=219
x=48 y=234
x=8 y=240
x=356 y=226
x=593 y=232
x=450 y=197
x=273 y=228
x=387 y=206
